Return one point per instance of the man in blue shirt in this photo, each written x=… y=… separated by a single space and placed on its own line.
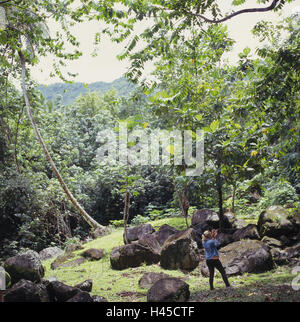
x=210 y=245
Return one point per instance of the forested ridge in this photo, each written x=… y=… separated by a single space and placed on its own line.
x=70 y=92
x=56 y=193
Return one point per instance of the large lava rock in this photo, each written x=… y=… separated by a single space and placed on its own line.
x=285 y=256
x=164 y=232
x=50 y=252
x=132 y=255
x=248 y=232
x=180 y=251
x=82 y=297
x=93 y=254
x=210 y=218
x=251 y=256
x=26 y=291
x=148 y=279
x=150 y=242
x=169 y=290
x=60 y=292
x=275 y=222
x=27 y=266
x=85 y=286
x=135 y=233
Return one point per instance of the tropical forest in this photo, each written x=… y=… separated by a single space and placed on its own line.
x=177 y=180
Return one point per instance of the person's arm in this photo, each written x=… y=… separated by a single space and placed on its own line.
x=216 y=242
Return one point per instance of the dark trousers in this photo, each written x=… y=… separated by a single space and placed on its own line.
x=212 y=264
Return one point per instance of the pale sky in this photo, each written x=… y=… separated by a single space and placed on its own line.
x=106 y=67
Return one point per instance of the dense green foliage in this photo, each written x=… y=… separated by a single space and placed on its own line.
x=249 y=113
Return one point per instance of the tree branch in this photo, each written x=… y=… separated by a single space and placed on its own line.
x=4 y=2
x=249 y=10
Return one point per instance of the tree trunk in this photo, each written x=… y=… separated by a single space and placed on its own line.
x=82 y=212
x=184 y=205
x=126 y=209
x=220 y=193
x=233 y=197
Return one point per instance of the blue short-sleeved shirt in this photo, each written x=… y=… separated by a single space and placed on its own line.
x=210 y=246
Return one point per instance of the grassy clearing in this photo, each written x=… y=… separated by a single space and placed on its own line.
x=122 y=286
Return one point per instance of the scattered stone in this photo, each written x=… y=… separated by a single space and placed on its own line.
x=239 y=223
x=93 y=254
x=72 y=263
x=150 y=242
x=60 y=292
x=248 y=232
x=180 y=251
x=274 y=222
x=148 y=279
x=81 y=297
x=282 y=257
x=248 y=255
x=164 y=232
x=26 y=266
x=224 y=239
x=26 y=291
x=169 y=290
x=272 y=242
x=209 y=217
x=132 y=255
x=50 y=252
x=85 y=286
x=135 y=233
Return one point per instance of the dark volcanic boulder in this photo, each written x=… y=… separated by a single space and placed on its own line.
x=180 y=251
x=81 y=297
x=85 y=286
x=164 y=232
x=132 y=255
x=26 y=266
x=275 y=222
x=224 y=239
x=148 y=279
x=239 y=223
x=150 y=242
x=169 y=290
x=272 y=242
x=26 y=291
x=60 y=292
x=209 y=217
x=50 y=252
x=285 y=256
x=93 y=254
x=248 y=232
x=251 y=256
x=205 y=215
x=135 y=233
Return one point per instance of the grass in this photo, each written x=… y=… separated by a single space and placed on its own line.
x=122 y=286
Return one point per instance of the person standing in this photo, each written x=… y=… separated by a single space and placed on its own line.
x=210 y=245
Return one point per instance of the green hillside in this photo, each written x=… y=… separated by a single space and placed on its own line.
x=69 y=92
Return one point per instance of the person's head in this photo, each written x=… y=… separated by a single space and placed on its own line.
x=206 y=234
